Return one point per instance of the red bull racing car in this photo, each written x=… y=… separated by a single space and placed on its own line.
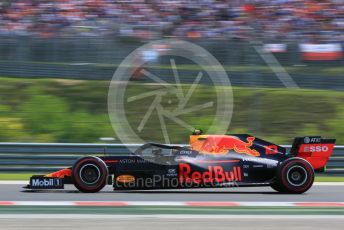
x=210 y=161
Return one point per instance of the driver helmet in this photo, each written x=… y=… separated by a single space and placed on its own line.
x=197 y=132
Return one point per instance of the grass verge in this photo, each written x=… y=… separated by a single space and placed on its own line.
x=51 y=110
x=329 y=179
x=15 y=176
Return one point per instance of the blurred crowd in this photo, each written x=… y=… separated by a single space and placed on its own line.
x=269 y=20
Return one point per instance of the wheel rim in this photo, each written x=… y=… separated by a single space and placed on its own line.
x=89 y=174
x=297 y=175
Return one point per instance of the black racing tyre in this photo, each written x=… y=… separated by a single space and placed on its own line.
x=294 y=175
x=89 y=174
x=276 y=186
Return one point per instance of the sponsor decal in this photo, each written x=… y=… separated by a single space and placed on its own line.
x=308 y=140
x=172 y=173
x=315 y=140
x=316 y=154
x=311 y=148
x=271 y=149
x=213 y=174
x=321 y=52
x=222 y=144
x=260 y=160
x=186 y=152
x=275 y=48
x=46 y=183
x=133 y=161
x=125 y=178
x=258 y=166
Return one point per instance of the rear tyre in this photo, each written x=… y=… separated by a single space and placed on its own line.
x=275 y=186
x=295 y=175
x=89 y=174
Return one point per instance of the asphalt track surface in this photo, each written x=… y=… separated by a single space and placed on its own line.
x=318 y=193
x=156 y=218
x=170 y=222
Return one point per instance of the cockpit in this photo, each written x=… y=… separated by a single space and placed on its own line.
x=163 y=154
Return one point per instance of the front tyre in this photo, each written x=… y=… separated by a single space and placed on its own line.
x=295 y=175
x=89 y=174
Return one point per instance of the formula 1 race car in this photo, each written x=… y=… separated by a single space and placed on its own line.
x=210 y=161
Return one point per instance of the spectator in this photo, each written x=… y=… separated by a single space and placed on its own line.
x=271 y=20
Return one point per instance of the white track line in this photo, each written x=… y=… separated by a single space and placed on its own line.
x=202 y=204
x=44 y=203
x=329 y=183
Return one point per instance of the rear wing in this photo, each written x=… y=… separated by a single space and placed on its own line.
x=314 y=149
